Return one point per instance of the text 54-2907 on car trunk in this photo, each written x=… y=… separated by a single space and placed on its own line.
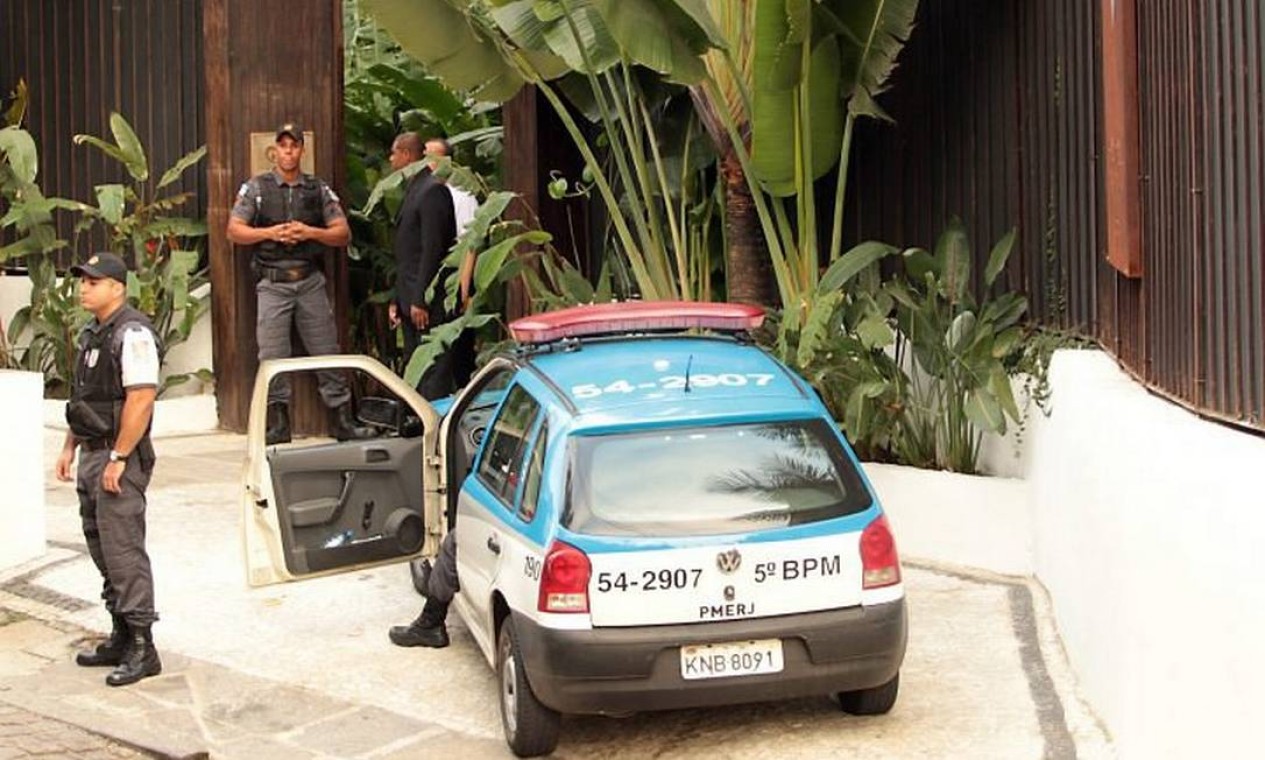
x=650 y=512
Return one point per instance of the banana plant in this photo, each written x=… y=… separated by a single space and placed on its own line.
x=29 y=213
x=956 y=351
x=543 y=40
x=139 y=217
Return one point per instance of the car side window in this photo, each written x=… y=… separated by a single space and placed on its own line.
x=501 y=465
x=531 y=489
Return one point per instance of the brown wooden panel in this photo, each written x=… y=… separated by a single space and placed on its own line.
x=267 y=63
x=537 y=143
x=1120 y=133
x=81 y=60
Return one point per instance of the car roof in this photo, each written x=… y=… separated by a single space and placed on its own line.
x=642 y=380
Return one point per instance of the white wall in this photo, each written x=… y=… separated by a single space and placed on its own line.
x=21 y=468
x=1149 y=534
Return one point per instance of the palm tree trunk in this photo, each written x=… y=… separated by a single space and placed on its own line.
x=749 y=272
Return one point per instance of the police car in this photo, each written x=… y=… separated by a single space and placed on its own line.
x=651 y=512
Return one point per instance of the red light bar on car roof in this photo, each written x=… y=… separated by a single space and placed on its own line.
x=635 y=316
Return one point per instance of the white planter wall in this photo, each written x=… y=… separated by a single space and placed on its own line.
x=21 y=468
x=1149 y=535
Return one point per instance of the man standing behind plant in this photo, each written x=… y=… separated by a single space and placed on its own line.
x=109 y=413
x=464 y=205
x=425 y=228
x=291 y=221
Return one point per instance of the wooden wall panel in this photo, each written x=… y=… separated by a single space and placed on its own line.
x=82 y=59
x=267 y=63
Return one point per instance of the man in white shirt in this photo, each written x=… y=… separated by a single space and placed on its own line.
x=464 y=205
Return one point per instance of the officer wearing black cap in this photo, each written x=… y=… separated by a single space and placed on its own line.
x=109 y=413
x=290 y=221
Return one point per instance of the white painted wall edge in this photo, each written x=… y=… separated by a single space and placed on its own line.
x=22 y=521
x=1149 y=527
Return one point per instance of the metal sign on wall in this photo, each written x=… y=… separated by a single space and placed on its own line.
x=263 y=152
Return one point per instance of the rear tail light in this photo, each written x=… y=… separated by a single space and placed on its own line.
x=879 y=563
x=564 y=581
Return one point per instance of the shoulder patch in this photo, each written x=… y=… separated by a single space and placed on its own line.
x=243 y=190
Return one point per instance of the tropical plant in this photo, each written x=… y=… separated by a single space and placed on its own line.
x=959 y=353
x=26 y=211
x=52 y=320
x=494 y=48
x=506 y=248
x=387 y=92
x=53 y=312
x=166 y=277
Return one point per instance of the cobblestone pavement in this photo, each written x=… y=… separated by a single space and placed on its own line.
x=24 y=734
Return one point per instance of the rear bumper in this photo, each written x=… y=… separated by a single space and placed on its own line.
x=618 y=670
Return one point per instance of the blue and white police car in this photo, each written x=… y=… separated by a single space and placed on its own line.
x=651 y=512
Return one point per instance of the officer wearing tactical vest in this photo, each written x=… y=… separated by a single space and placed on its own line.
x=290 y=222
x=109 y=413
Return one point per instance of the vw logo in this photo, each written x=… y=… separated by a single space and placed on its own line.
x=728 y=561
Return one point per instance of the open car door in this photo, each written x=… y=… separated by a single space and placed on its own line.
x=318 y=506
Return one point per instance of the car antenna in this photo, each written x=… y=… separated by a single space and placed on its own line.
x=688 y=362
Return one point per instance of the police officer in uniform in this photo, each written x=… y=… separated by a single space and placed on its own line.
x=109 y=413
x=290 y=221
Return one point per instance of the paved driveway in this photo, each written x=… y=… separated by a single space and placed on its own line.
x=984 y=674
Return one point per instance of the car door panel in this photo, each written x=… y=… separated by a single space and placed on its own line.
x=351 y=502
x=318 y=506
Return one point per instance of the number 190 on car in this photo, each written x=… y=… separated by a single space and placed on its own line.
x=738 y=658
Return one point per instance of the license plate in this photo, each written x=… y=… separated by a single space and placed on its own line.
x=738 y=658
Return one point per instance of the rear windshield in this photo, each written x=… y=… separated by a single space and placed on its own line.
x=710 y=480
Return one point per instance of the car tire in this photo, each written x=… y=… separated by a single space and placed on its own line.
x=531 y=729
x=876 y=701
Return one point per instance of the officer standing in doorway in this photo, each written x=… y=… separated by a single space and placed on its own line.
x=109 y=413
x=290 y=222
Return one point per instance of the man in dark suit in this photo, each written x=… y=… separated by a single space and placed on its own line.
x=425 y=228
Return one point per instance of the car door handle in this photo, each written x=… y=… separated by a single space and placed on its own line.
x=494 y=546
x=375 y=455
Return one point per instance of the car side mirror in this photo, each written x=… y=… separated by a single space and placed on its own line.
x=410 y=426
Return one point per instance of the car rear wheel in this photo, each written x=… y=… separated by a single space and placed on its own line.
x=531 y=729
x=876 y=701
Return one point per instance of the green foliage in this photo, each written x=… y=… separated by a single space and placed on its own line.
x=506 y=249
x=53 y=318
x=140 y=220
x=386 y=92
x=651 y=195
x=959 y=353
x=29 y=214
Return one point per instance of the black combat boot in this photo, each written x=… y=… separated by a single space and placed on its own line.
x=140 y=660
x=427 y=631
x=109 y=652
x=343 y=424
x=278 y=424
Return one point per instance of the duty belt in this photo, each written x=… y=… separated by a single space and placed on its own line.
x=96 y=444
x=285 y=274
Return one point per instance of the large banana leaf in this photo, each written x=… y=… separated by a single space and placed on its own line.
x=667 y=36
x=18 y=148
x=542 y=26
x=878 y=30
x=126 y=149
x=796 y=97
x=451 y=44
